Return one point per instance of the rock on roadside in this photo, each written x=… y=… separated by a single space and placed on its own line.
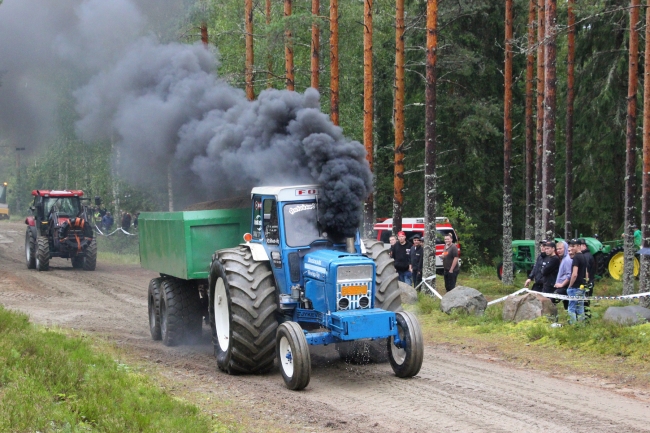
x=408 y=294
x=628 y=315
x=528 y=307
x=465 y=299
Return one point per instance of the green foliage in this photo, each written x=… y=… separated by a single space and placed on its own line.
x=53 y=383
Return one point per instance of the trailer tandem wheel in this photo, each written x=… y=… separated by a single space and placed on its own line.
x=243 y=308
x=406 y=361
x=293 y=356
x=180 y=311
x=153 y=300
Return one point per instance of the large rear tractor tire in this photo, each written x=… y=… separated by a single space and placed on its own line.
x=616 y=262
x=90 y=261
x=153 y=304
x=387 y=297
x=42 y=254
x=30 y=249
x=406 y=360
x=293 y=356
x=243 y=309
x=601 y=261
x=180 y=311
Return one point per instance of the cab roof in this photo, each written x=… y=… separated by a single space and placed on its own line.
x=58 y=193
x=288 y=193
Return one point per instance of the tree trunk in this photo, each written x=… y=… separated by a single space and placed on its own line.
x=550 y=79
x=250 y=91
x=368 y=111
x=315 y=44
x=288 y=48
x=630 y=144
x=429 y=268
x=204 y=34
x=269 y=57
x=398 y=118
x=644 y=280
x=334 y=61
x=529 y=222
x=507 y=276
x=539 y=231
x=570 y=97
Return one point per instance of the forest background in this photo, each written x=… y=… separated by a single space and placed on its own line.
x=470 y=92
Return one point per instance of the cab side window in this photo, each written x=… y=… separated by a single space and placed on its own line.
x=271 y=233
x=258 y=215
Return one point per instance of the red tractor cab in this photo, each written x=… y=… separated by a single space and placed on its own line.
x=413 y=226
x=59 y=226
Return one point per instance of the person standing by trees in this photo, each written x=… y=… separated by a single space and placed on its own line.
x=400 y=252
x=550 y=267
x=450 y=263
x=579 y=277
x=591 y=270
x=564 y=272
x=417 y=260
x=536 y=272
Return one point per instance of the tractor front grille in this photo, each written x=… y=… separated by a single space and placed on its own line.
x=353 y=296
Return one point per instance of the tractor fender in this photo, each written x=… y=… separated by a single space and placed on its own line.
x=258 y=252
x=30 y=221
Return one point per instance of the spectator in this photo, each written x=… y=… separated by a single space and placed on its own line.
x=107 y=221
x=126 y=221
x=564 y=272
x=536 y=272
x=417 y=260
x=400 y=252
x=450 y=263
x=392 y=241
x=591 y=271
x=577 y=283
x=638 y=237
x=135 y=219
x=550 y=267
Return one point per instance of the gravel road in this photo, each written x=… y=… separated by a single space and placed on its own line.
x=453 y=392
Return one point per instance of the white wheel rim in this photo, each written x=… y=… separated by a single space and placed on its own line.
x=27 y=252
x=221 y=315
x=286 y=357
x=399 y=355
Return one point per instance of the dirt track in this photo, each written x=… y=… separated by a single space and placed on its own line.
x=451 y=393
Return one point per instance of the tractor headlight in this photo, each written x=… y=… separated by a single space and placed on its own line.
x=345 y=274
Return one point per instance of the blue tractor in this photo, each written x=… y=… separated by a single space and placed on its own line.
x=290 y=285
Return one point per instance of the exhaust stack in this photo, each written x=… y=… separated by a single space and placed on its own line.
x=349 y=245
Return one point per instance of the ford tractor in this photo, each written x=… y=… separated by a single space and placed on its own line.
x=277 y=284
x=59 y=226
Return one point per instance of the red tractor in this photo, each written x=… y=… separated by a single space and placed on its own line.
x=59 y=227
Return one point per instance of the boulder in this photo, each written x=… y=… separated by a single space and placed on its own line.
x=408 y=293
x=528 y=307
x=465 y=299
x=629 y=315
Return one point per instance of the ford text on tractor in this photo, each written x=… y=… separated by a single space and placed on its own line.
x=59 y=227
x=287 y=286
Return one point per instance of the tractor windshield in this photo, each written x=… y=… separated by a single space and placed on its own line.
x=65 y=205
x=301 y=224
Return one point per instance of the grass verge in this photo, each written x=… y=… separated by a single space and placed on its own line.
x=51 y=382
x=599 y=348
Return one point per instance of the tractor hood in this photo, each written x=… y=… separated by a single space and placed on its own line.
x=319 y=264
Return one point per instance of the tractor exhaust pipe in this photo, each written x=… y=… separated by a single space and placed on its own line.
x=349 y=245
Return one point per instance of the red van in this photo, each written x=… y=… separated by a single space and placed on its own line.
x=412 y=226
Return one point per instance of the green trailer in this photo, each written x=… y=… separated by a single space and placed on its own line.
x=181 y=244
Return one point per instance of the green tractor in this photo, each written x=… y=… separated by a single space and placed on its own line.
x=523 y=257
x=615 y=259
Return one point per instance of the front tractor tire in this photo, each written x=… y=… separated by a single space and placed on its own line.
x=243 y=308
x=30 y=249
x=180 y=311
x=90 y=260
x=406 y=360
x=42 y=254
x=293 y=356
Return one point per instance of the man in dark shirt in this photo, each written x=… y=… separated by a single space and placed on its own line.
x=417 y=260
x=579 y=276
x=536 y=273
x=400 y=252
x=591 y=270
x=550 y=266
